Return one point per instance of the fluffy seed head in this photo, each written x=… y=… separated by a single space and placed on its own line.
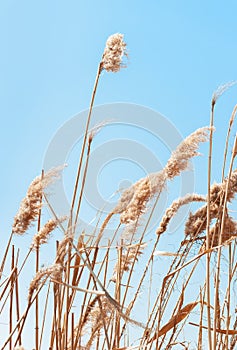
x=31 y=204
x=134 y=200
x=53 y=271
x=220 y=90
x=42 y=236
x=187 y=149
x=172 y=210
x=63 y=248
x=230 y=230
x=99 y=314
x=114 y=51
x=139 y=200
x=197 y=222
x=130 y=254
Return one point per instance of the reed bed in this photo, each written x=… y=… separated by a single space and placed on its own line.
x=126 y=292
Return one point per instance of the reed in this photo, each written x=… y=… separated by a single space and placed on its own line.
x=127 y=293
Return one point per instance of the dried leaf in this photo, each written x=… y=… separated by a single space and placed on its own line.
x=183 y=313
x=162 y=253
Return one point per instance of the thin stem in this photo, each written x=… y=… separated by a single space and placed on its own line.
x=72 y=331
x=44 y=316
x=117 y=297
x=83 y=181
x=228 y=299
x=17 y=302
x=202 y=297
x=150 y=288
x=217 y=280
x=232 y=118
x=75 y=194
x=84 y=142
x=36 y=270
x=5 y=254
x=11 y=297
x=208 y=255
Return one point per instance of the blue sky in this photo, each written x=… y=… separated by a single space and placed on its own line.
x=179 y=53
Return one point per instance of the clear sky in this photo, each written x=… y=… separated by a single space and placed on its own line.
x=179 y=53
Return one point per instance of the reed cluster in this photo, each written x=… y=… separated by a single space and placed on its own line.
x=127 y=293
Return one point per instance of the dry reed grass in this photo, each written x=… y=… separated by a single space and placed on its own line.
x=127 y=294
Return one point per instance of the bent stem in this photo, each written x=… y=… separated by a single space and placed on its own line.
x=84 y=142
x=70 y=221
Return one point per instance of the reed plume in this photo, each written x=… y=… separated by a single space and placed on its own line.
x=63 y=248
x=53 y=271
x=42 y=236
x=187 y=149
x=172 y=210
x=32 y=203
x=98 y=318
x=129 y=255
x=229 y=231
x=196 y=222
x=134 y=200
x=114 y=51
